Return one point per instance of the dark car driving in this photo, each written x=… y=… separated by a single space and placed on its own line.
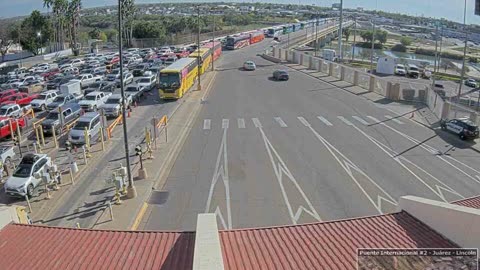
x=280 y=75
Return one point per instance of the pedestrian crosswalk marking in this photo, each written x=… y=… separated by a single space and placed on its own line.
x=225 y=123
x=241 y=123
x=359 y=119
x=304 y=122
x=374 y=119
x=345 y=120
x=394 y=119
x=325 y=121
x=256 y=122
x=280 y=122
x=206 y=124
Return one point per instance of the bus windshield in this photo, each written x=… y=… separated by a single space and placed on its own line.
x=169 y=80
x=271 y=31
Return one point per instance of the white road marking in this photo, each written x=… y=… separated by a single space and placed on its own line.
x=359 y=119
x=206 y=124
x=281 y=169
x=349 y=167
x=394 y=119
x=304 y=122
x=221 y=171
x=345 y=120
x=225 y=123
x=325 y=121
x=436 y=153
x=280 y=122
x=241 y=123
x=436 y=188
x=256 y=122
x=374 y=119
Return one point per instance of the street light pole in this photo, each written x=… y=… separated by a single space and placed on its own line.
x=199 y=86
x=462 y=77
x=213 y=43
x=340 y=32
x=354 y=38
x=436 y=57
x=316 y=35
x=131 y=191
x=373 y=46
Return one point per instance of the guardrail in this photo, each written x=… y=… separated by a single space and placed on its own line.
x=115 y=122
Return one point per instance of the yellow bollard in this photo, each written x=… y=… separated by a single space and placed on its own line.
x=41 y=135
x=78 y=225
x=11 y=129
x=103 y=140
x=54 y=135
x=71 y=176
x=87 y=143
x=19 y=134
x=28 y=203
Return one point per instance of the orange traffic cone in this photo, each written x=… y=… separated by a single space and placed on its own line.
x=129 y=112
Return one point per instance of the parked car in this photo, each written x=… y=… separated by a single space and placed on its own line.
x=5 y=125
x=77 y=62
x=21 y=99
x=4 y=95
x=104 y=86
x=115 y=74
x=249 y=65
x=472 y=83
x=42 y=101
x=89 y=121
x=463 y=127
x=63 y=99
x=135 y=91
x=57 y=119
x=147 y=82
x=11 y=110
x=412 y=71
x=112 y=107
x=27 y=176
x=165 y=51
x=181 y=52
x=93 y=100
x=127 y=79
x=139 y=70
x=86 y=79
x=7 y=154
x=400 y=70
x=280 y=75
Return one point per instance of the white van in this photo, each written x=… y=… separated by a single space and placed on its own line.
x=330 y=55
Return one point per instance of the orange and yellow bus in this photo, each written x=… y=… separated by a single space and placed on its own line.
x=216 y=47
x=205 y=58
x=176 y=79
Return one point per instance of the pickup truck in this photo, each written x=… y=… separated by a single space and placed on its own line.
x=135 y=91
x=112 y=107
x=86 y=79
x=21 y=99
x=5 y=95
x=63 y=99
x=11 y=110
x=94 y=100
x=5 y=126
x=42 y=101
x=7 y=154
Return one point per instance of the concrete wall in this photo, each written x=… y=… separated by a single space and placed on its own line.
x=208 y=252
x=458 y=223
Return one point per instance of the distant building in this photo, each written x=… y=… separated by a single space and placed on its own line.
x=247 y=8
x=360 y=9
x=336 y=5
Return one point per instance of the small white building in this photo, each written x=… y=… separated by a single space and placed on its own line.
x=386 y=65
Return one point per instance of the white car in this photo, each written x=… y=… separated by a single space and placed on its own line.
x=77 y=62
x=43 y=100
x=94 y=100
x=400 y=70
x=165 y=51
x=112 y=107
x=249 y=65
x=127 y=79
x=147 y=82
x=27 y=175
x=86 y=79
x=11 y=110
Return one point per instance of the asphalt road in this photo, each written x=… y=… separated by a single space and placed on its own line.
x=265 y=153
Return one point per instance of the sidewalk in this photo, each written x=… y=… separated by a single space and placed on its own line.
x=129 y=214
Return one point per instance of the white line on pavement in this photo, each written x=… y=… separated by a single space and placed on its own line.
x=345 y=120
x=394 y=119
x=221 y=171
x=206 y=124
x=304 y=122
x=256 y=122
x=241 y=123
x=281 y=170
x=374 y=119
x=359 y=119
x=325 y=121
x=280 y=122
x=225 y=123
x=379 y=196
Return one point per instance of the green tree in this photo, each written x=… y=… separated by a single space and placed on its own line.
x=102 y=36
x=8 y=36
x=366 y=35
x=381 y=36
x=128 y=15
x=346 y=33
x=83 y=37
x=73 y=17
x=146 y=29
x=94 y=33
x=35 y=32
x=112 y=35
x=59 y=19
x=406 y=41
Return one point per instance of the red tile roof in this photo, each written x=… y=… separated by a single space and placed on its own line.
x=473 y=202
x=326 y=245
x=40 y=247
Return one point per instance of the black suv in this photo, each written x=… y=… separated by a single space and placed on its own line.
x=463 y=127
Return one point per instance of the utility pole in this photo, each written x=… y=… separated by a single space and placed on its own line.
x=462 y=77
x=131 y=191
x=340 y=32
x=354 y=38
x=213 y=42
x=373 y=46
x=316 y=36
x=440 y=51
x=199 y=86
x=436 y=56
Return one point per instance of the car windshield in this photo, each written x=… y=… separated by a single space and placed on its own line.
x=115 y=71
x=42 y=97
x=52 y=116
x=3 y=111
x=81 y=125
x=23 y=170
x=132 y=89
x=113 y=101
x=59 y=99
x=91 y=97
x=144 y=81
x=94 y=85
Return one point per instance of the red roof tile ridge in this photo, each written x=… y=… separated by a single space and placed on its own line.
x=466 y=199
x=316 y=223
x=95 y=230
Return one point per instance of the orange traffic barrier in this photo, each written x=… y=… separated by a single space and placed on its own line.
x=115 y=122
x=162 y=121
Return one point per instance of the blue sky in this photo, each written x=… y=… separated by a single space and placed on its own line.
x=450 y=9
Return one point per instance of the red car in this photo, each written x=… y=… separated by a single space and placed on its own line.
x=4 y=95
x=114 y=60
x=49 y=75
x=5 y=125
x=21 y=99
x=181 y=52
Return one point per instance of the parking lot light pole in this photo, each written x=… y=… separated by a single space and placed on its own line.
x=462 y=77
x=199 y=86
x=131 y=191
x=213 y=43
x=340 y=32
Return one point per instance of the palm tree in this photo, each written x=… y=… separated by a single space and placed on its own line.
x=73 y=15
x=128 y=14
x=59 y=9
